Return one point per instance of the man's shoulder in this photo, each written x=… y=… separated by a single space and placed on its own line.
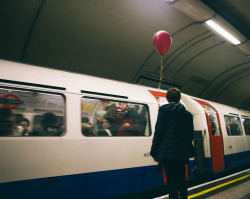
x=188 y=117
x=163 y=107
x=188 y=113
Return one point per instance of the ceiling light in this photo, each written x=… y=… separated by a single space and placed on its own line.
x=223 y=32
x=194 y=8
x=170 y=1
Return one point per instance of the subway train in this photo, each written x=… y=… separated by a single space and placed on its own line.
x=65 y=155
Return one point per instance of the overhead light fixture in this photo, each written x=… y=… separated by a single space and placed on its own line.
x=194 y=8
x=201 y=13
x=222 y=32
x=170 y=1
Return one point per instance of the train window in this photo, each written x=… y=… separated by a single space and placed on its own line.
x=213 y=120
x=31 y=113
x=233 y=125
x=101 y=117
x=246 y=124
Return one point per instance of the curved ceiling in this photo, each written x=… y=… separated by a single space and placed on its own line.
x=113 y=39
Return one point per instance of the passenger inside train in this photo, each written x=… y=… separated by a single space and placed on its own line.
x=108 y=127
x=6 y=122
x=8 y=125
x=120 y=118
x=87 y=129
x=233 y=125
x=107 y=111
x=31 y=113
x=127 y=123
x=49 y=126
x=25 y=123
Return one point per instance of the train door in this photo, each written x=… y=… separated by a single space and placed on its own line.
x=216 y=139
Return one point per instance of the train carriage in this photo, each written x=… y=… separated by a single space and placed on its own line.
x=73 y=160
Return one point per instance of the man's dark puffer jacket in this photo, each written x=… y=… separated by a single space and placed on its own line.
x=173 y=133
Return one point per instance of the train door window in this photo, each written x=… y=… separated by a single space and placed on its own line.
x=31 y=113
x=233 y=125
x=101 y=117
x=213 y=120
x=246 y=124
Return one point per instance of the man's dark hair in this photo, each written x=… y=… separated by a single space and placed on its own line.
x=173 y=95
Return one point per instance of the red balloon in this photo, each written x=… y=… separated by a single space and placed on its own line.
x=162 y=41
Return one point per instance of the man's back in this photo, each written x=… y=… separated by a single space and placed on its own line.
x=172 y=138
x=171 y=130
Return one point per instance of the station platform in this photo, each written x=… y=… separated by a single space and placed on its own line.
x=235 y=186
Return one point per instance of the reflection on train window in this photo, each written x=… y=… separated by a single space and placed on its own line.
x=101 y=117
x=31 y=113
x=246 y=124
x=233 y=125
x=213 y=120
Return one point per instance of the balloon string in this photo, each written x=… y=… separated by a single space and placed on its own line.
x=159 y=86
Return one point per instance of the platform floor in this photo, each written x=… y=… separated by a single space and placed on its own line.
x=241 y=191
x=236 y=186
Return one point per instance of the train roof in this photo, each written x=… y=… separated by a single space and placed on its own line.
x=77 y=83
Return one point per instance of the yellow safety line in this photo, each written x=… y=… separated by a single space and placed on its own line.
x=217 y=187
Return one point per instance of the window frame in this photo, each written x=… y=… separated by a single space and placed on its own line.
x=246 y=118
x=125 y=100
x=40 y=91
x=239 y=123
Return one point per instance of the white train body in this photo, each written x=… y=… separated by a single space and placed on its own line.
x=73 y=165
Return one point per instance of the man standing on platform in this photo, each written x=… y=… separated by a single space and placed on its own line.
x=172 y=142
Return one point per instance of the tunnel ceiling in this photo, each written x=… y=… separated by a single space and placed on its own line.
x=113 y=39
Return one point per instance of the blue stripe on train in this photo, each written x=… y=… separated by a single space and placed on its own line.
x=90 y=185
x=237 y=159
x=231 y=160
x=103 y=184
